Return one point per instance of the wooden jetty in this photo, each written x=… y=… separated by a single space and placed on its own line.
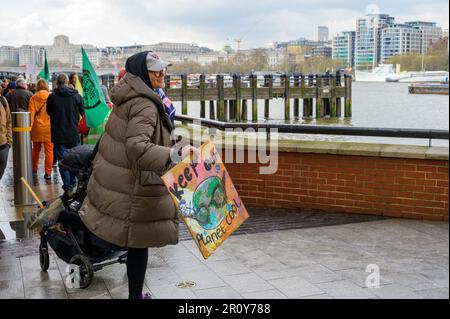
x=231 y=100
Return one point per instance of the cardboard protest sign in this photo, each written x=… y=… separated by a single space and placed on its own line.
x=207 y=199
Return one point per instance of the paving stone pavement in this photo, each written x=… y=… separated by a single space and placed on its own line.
x=276 y=254
x=296 y=263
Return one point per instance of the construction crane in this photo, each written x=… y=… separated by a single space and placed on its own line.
x=239 y=40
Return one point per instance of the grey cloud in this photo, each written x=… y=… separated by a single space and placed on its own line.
x=208 y=21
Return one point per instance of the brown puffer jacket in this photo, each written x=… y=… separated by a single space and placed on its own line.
x=127 y=203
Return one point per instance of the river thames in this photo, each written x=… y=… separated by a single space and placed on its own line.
x=385 y=105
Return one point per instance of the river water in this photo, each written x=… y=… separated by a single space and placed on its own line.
x=384 y=105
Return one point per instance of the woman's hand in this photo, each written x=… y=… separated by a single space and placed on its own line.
x=188 y=150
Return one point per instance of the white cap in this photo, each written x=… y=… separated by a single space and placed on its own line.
x=155 y=64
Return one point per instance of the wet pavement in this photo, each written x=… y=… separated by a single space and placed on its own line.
x=277 y=253
x=12 y=217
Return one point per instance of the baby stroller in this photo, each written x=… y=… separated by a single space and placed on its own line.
x=68 y=237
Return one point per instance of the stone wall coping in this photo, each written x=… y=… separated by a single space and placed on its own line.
x=290 y=145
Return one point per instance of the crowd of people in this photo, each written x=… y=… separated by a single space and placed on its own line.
x=57 y=121
x=5 y=130
x=127 y=203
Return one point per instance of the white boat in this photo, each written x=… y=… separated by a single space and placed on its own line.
x=386 y=73
x=419 y=77
x=377 y=74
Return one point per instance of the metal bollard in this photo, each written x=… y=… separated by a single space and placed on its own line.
x=21 y=157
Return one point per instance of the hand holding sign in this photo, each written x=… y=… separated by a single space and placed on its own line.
x=187 y=150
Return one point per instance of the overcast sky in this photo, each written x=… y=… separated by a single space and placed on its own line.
x=211 y=23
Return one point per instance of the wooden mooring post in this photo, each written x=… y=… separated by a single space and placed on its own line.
x=254 y=87
x=319 y=100
x=231 y=110
x=268 y=83
x=324 y=92
x=244 y=110
x=308 y=101
x=225 y=110
x=286 y=80
x=348 y=95
x=212 y=110
x=202 y=96
x=338 y=98
x=184 y=96
x=296 y=100
x=220 y=100
x=237 y=105
x=333 y=96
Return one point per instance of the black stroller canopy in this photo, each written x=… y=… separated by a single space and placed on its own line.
x=79 y=157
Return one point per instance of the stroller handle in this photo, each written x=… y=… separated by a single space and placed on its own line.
x=24 y=181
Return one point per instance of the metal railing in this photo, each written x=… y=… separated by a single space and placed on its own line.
x=324 y=129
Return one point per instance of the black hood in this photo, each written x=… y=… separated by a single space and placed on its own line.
x=137 y=65
x=65 y=91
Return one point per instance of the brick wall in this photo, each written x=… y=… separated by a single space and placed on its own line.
x=396 y=187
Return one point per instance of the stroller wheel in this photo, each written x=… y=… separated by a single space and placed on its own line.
x=44 y=259
x=86 y=270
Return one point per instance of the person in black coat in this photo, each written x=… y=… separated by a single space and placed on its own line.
x=65 y=108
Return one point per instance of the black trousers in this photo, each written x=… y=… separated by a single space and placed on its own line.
x=136 y=267
x=4 y=152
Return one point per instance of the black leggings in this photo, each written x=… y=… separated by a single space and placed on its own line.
x=136 y=266
x=136 y=258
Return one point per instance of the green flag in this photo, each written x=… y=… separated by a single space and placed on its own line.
x=95 y=105
x=45 y=72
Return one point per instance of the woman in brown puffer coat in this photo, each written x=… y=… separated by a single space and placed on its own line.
x=127 y=203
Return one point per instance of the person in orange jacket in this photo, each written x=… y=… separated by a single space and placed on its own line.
x=40 y=128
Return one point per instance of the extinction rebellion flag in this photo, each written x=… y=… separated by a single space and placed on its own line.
x=95 y=105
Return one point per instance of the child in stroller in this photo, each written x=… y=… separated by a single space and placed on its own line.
x=62 y=228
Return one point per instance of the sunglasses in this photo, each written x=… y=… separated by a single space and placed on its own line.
x=160 y=73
